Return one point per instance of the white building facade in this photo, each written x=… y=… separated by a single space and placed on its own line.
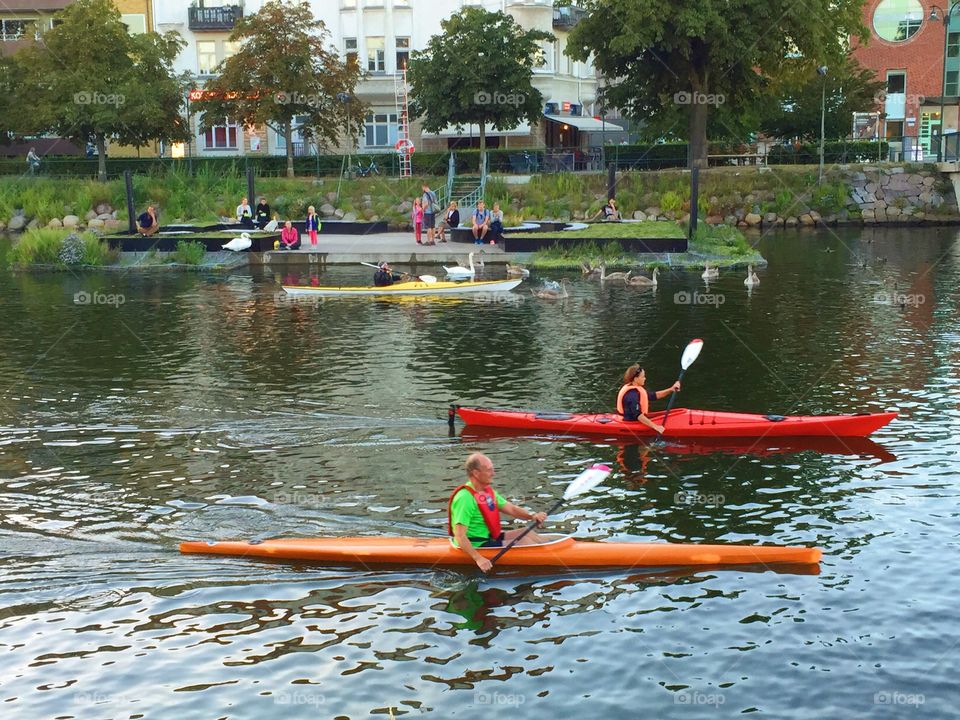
x=381 y=34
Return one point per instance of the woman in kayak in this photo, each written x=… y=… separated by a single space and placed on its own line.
x=633 y=401
x=473 y=513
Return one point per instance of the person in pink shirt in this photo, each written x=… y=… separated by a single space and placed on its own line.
x=417 y=216
x=289 y=237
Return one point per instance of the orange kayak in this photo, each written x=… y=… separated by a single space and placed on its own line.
x=561 y=552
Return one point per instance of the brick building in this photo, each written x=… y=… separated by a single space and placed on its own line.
x=906 y=49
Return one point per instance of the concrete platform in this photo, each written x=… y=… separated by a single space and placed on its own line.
x=392 y=247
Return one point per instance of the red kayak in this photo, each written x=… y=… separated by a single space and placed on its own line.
x=682 y=423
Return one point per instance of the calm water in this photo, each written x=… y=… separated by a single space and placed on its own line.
x=209 y=407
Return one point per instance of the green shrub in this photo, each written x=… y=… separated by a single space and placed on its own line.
x=189 y=253
x=720 y=240
x=671 y=201
x=60 y=247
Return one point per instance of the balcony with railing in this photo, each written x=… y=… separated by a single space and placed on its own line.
x=565 y=18
x=214 y=18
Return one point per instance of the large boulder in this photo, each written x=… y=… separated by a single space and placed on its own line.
x=105 y=216
x=350 y=217
x=71 y=221
x=17 y=223
x=33 y=224
x=327 y=210
x=95 y=224
x=103 y=208
x=639 y=215
x=771 y=219
x=338 y=214
x=91 y=214
x=652 y=211
x=55 y=223
x=806 y=220
x=752 y=219
x=790 y=222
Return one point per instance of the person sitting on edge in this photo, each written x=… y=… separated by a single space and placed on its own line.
x=245 y=214
x=147 y=223
x=481 y=223
x=473 y=514
x=496 y=224
x=262 y=214
x=609 y=211
x=451 y=221
x=633 y=401
x=289 y=237
x=385 y=276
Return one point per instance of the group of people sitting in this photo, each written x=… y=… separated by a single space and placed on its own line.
x=474 y=508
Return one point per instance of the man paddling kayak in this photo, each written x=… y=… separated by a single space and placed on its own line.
x=385 y=276
x=633 y=401
x=473 y=513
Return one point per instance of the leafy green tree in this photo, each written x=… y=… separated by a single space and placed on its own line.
x=11 y=106
x=77 y=80
x=695 y=55
x=284 y=70
x=477 y=70
x=796 y=95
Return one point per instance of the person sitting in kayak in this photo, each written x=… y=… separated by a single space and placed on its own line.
x=633 y=401
x=473 y=513
x=385 y=276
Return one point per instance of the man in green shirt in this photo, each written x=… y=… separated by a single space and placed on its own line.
x=474 y=513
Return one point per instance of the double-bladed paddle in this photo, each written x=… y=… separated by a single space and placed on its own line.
x=584 y=482
x=690 y=353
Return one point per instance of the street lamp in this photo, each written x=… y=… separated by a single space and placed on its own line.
x=822 y=71
x=935 y=12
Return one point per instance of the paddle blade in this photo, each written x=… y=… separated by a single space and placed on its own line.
x=690 y=353
x=586 y=481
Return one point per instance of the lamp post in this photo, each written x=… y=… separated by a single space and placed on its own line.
x=822 y=71
x=935 y=12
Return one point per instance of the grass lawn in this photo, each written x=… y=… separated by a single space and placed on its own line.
x=617 y=231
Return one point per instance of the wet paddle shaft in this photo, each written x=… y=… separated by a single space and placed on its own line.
x=585 y=481
x=690 y=353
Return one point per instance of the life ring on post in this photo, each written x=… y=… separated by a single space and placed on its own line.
x=404 y=147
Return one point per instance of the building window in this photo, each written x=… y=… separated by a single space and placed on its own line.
x=18 y=29
x=380 y=130
x=952 y=81
x=230 y=48
x=221 y=137
x=136 y=24
x=897 y=20
x=403 y=52
x=896 y=83
x=375 y=55
x=350 y=50
x=206 y=57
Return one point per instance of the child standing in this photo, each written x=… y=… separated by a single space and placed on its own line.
x=312 y=225
x=417 y=216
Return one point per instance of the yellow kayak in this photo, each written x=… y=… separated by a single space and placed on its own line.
x=412 y=287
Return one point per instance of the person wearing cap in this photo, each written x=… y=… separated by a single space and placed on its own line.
x=385 y=276
x=633 y=400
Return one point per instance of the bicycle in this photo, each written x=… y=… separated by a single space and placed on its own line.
x=371 y=169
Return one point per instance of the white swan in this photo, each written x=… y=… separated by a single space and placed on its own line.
x=517 y=271
x=643 y=280
x=458 y=272
x=240 y=243
x=551 y=294
x=752 y=279
x=614 y=275
x=271 y=226
x=710 y=273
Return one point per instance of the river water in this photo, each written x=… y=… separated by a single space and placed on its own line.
x=137 y=411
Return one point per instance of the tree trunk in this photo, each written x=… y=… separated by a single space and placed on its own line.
x=288 y=135
x=101 y=157
x=483 y=143
x=698 y=135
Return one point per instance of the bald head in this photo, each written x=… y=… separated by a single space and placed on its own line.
x=477 y=463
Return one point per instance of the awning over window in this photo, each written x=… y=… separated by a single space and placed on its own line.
x=585 y=124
